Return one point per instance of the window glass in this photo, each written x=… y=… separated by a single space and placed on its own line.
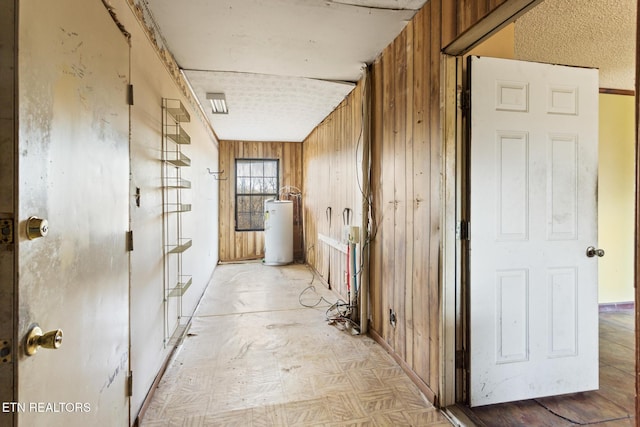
x=256 y=181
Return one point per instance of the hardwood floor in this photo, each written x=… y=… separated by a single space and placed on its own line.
x=610 y=406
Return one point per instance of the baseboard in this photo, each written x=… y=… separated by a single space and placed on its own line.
x=616 y=306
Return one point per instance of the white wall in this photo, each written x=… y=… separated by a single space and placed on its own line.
x=152 y=81
x=616 y=197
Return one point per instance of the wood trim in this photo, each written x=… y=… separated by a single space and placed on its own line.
x=626 y=92
x=636 y=270
x=424 y=388
x=449 y=218
x=9 y=205
x=488 y=25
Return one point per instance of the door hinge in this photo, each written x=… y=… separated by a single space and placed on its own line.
x=461 y=360
x=130 y=240
x=130 y=384
x=130 y=94
x=463 y=230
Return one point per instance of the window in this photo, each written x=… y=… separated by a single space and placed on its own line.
x=256 y=181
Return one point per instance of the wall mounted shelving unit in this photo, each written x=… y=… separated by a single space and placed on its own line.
x=174 y=137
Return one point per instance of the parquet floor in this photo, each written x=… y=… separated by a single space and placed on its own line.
x=611 y=406
x=255 y=356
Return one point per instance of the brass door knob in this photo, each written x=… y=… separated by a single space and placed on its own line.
x=36 y=339
x=37 y=227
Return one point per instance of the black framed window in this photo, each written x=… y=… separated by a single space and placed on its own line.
x=256 y=181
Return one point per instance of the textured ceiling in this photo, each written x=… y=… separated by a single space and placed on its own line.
x=588 y=33
x=282 y=108
x=215 y=42
x=282 y=63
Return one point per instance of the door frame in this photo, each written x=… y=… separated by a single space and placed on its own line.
x=454 y=165
x=9 y=337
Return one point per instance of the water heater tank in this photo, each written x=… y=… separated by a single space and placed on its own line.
x=278 y=232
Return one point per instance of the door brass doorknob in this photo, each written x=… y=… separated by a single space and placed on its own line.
x=37 y=227
x=592 y=251
x=36 y=339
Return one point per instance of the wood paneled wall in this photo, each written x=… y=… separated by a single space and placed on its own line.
x=406 y=180
x=332 y=157
x=406 y=167
x=469 y=12
x=250 y=244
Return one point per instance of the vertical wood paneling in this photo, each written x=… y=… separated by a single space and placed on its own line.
x=387 y=201
x=250 y=244
x=330 y=177
x=406 y=169
x=375 y=266
x=406 y=145
x=401 y=287
x=449 y=19
x=434 y=232
x=471 y=11
x=223 y=206
x=409 y=193
x=421 y=185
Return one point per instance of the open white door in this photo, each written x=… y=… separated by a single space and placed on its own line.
x=533 y=304
x=74 y=172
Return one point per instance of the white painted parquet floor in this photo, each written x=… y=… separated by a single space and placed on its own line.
x=255 y=356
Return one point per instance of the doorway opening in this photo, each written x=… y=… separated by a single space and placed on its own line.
x=616 y=194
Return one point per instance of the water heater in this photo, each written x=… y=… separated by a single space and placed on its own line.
x=278 y=232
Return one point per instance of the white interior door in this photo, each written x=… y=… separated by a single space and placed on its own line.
x=73 y=171
x=533 y=177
